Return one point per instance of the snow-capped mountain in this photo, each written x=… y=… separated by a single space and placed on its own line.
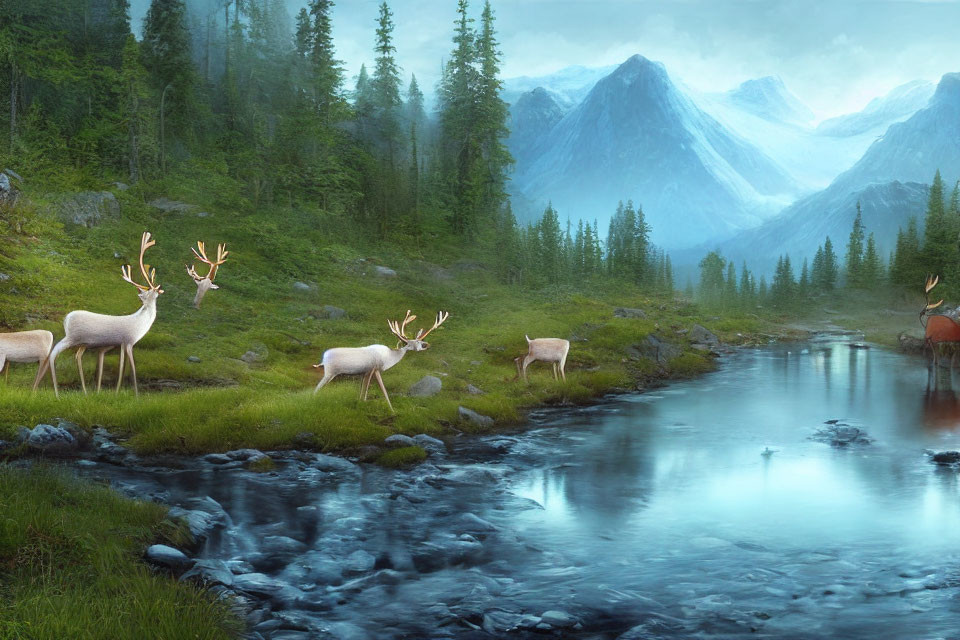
x=768 y=98
x=898 y=105
x=635 y=135
x=890 y=180
x=571 y=84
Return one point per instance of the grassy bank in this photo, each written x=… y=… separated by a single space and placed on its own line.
x=70 y=566
x=223 y=402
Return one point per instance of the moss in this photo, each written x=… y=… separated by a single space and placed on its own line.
x=402 y=458
x=262 y=465
x=690 y=364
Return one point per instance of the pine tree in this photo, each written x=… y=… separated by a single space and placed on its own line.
x=167 y=59
x=667 y=275
x=831 y=268
x=414 y=107
x=817 y=271
x=939 y=239
x=854 y=261
x=385 y=84
x=492 y=115
x=906 y=268
x=730 y=286
x=712 y=280
x=303 y=37
x=872 y=265
x=803 y=285
x=746 y=288
x=327 y=70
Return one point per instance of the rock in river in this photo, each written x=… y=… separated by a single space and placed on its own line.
x=51 y=440
x=168 y=557
x=473 y=417
x=946 y=457
x=840 y=434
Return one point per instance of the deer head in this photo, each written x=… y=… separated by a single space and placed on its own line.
x=205 y=282
x=416 y=343
x=929 y=306
x=150 y=291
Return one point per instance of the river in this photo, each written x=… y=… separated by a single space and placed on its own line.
x=702 y=509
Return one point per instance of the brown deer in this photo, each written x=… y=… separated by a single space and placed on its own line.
x=372 y=360
x=938 y=329
x=205 y=283
x=552 y=350
x=85 y=330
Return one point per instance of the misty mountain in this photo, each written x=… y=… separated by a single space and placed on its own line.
x=532 y=116
x=635 y=135
x=570 y=84
x=769 y=99
x=901 y=103
x=890 y=180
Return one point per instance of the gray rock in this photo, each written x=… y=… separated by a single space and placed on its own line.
x=359 y=561
x=946 y=457
x=120 y=186
x=385 y=272
x=475 y=391
x=218 y=458
x=4 y=277
x=50 y=440
x=193 y=359
x=328 y=463
x=258 y=584
x=282 y=545
x=23 y=434
x=166 y=205
x=660 y=351
x=703 y=335
x=425 y=387
x=399 y=440
x=302 y=286
x=472 y=523
x=249 y=455
x=839 y=434
x=627 y=312
x=87 y=208
x=558 y=619
x=330 y=312
x=200 y=523
x=431 y=444
x=168 y=557
x=209 y=571
x=475 y=418
x=13 y=174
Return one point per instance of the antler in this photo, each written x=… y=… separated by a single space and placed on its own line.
x=149 y=274
x=398 y=329
x=929 y=306
x=222 y=254
x=441 y=318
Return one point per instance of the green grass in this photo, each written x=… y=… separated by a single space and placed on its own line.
x=402 y=458
x=70 y=565
x=222 y=403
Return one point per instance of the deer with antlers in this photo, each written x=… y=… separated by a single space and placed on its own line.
x=373 y=360
x=205 y=283
x=938 y=329
x=552 y=350
x=85 y=330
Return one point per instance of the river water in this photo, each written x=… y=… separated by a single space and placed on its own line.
x=654 y=515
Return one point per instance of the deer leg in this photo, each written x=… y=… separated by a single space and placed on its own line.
x=563 y=364
x=79 y=356
x=376 y=373
x=365 y=385
x=326 y=378
x=526 y=363
x=120 y=372
x=554 y=367
x=100 y=368
x=41 y=369
x=133 y=369
x=5 y=367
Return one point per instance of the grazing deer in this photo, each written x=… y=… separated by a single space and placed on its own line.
x=938 y=329
x=373 y=360
x=205 y=283
x=25 y=346
x=552 y=350
x=86 y=330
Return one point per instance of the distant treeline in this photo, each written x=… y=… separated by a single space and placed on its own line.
x=937 y=252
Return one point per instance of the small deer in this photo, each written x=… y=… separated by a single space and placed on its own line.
x=25 y=346
x=205 y=283
x=373 y=360
x=86 y=330
x=552 y=350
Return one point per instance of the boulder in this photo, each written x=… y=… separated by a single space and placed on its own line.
x=946 y=457
x=840 y=434
x=558 y=619
x=166 y=205
x=331 y=464
x=329 y=312
x=209 y=572
x=50 y=440
x=399 y=440
x=200 y=523
x=627 y=312
x=475 y=391
x=248 y=455
x=703 y=335
x=385 y=272
x=475 y=418
x=282 y=545
x=257 y=353
x=4 y=277
x=472 y=523
x=193 y=359
x=168 y=557
x=218 y=458
x=425 y=387
x=429 y=443
x=302 y=286
x=658 y=350
x=258 y=584
x=87 y=208
x=359 y=561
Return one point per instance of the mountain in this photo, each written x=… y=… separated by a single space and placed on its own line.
x=890 y=180
x=901 y=103
x=635 y=135
x=531 y=117
x=769 y=99
x=571 y=84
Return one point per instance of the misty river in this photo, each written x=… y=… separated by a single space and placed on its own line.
x=654 y=515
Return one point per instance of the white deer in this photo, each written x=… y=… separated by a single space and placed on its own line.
x=552 y=350
x=25 y=346
x=205 y=283
x=372 y=360
x=85 y=330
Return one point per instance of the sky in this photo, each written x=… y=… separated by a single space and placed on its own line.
x=834 y=55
